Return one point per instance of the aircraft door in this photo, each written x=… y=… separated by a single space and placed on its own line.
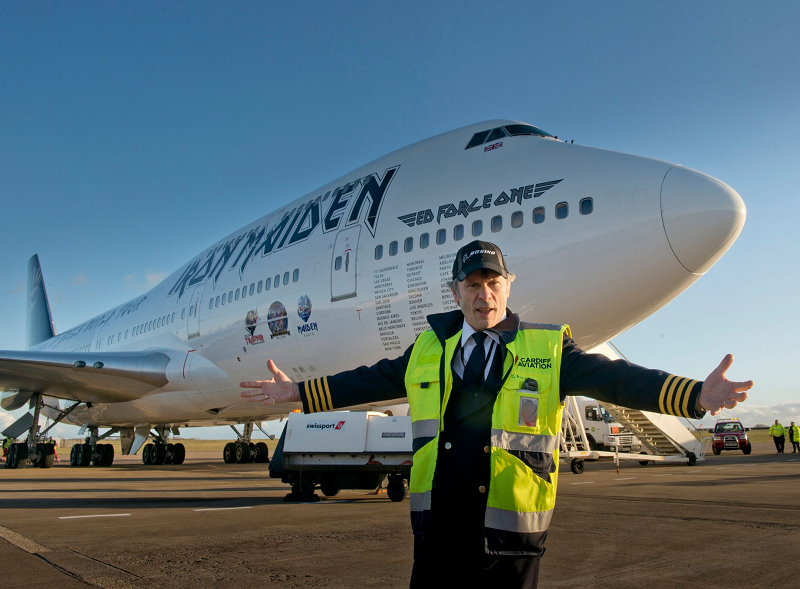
x=193 y=319
x=343 y=264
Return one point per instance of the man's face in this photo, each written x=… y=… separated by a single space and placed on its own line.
x=482 y=297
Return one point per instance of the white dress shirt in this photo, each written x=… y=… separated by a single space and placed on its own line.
x=468 y=344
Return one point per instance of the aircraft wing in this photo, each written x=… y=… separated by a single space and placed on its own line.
x=100 y=377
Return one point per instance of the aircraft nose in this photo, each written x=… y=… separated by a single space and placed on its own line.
x=702 y=217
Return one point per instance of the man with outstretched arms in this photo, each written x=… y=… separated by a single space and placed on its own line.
x=485 y=393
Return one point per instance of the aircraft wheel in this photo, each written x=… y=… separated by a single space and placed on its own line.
x=179 y=453
x=158 y=454
x=146 y=453
x=747 y=449
x=303 y=489
x=242 y=453
x=18 y=455
x=84 y=454
x=396 y=489
x=47 y=461
x=576 y=466
x=73 y=455
x=97 y=455
x=108 y=454
x=228 y=454
x=262 y=453
x=716 y=451
x=169 y=457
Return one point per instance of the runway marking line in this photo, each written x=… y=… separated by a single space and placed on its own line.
x=662 y=475
x=723 y=467
x=625 y=479
x=583 y=483
x=98 y=515
x=223 y=508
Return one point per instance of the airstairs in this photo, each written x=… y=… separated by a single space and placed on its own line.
x=664 y=437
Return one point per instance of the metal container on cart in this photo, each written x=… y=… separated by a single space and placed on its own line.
x=344 y=450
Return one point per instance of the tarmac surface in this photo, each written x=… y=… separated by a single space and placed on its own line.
x=730 y=521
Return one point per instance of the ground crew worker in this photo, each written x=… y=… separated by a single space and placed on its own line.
x=794 y=436
x=6 y=446
x=486 y=393
x=777 y=432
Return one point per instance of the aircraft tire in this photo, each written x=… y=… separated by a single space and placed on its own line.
x=158 y=454
x=262 y=452
x=179 y=453
x=84 y=454
x=47 y=460
x=228 y=454
x=73 y=455
x=168 y=459
x=146 y=453
x=242 y=453
x=108 y=454
x=97 y=455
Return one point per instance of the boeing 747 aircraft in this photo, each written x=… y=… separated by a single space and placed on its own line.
x=346 y=275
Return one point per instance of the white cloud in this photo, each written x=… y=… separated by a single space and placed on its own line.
x=154 y=278
x=6 y=419
x=752 y=415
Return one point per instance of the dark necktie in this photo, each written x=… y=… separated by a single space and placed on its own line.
x=476 y=365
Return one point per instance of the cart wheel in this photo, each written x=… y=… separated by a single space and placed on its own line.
x=644 y=462
x=576 y=466
x=330 y=488
x=692 y=459
x=396 y=489
x=303 y=489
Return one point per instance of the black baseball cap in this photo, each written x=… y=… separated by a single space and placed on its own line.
x=477 y=255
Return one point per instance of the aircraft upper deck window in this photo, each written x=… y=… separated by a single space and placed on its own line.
x=497 y=224
x=296 y=275
x=516 y=219
x=562 y=210
x=538 y=215
x=408 y=244
x=586 y=206
x=515 y=130
x=424 y=241
x=441 y=236
x=477 y=228
x=378 y=252
x=393 y=248
x=458 y=232
x=286 y=277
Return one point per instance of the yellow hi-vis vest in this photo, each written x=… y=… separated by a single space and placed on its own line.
x=777 y=430
x=525 y=423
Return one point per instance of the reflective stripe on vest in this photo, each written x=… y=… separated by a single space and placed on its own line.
x=526 y=424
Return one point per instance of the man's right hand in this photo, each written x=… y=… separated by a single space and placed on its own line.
x=278 y=389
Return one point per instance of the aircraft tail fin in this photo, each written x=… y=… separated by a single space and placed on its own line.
x=40 y=325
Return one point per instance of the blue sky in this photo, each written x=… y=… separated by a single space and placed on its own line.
x=133 y=135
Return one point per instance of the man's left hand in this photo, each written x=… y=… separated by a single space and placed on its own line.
x=719 y=393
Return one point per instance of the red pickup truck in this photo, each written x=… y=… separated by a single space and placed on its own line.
x=729 y=434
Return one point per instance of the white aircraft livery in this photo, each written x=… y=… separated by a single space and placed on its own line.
x=347 y=274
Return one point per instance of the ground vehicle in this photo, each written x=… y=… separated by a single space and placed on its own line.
x=603 y=432
x=730 y=434
x=344 y=450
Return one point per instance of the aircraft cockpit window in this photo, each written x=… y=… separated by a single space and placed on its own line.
x=497 y=224
x=477 y=228
x=408 y=244
x=515 y=130
x=562 y=210
x=296 y=275
x=393 y=248
x=458 y=232
x=378 y=252
x=586 y=206
x=477 y=139
x=516 y=219
x=286 y=277
x=424 y=241
x=496 y=134
x=441 y=236
x=538 y=215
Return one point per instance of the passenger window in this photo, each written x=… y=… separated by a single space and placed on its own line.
x=158 y=323
x=393 y=248
x=424 y=241
x=244 y=291
x=183 y=313
x=224 y=299
x=252 y=288
x=296 y=275
x=477 y=228
x=258 y=288
x=516 y=219
x=236 y=295
x=211 y=305
x=458 y=232
x=173 y=317
x=378 y=252
x=408 y=244
x=268 y=284
x=230 y=296
x=441 y=236
x=278 y=277
x=286 y=277
x=497 y=224
x=126 y=334
x=586 y=206
x=562 y=210
x=337 y=265
x=538 y=215
x=216 y=302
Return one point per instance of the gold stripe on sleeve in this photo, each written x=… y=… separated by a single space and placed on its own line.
x=318 y=394
x=327 y=390
x=671 y=394
x=689 y=390
x=662 y=395
x=681 y=389
x=311 y=395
